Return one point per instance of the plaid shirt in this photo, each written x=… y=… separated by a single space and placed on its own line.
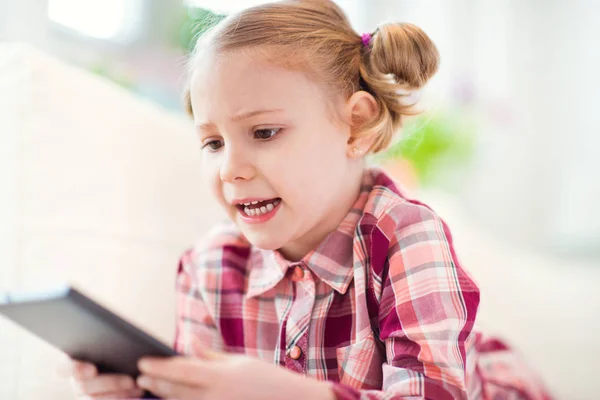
x=381 y=308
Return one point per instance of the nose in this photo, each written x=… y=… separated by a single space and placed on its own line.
x=236 y=165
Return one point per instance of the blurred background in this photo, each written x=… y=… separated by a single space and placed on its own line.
x=511 y=126
x=507 y=150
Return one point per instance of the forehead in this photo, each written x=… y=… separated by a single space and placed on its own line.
x=238 y=81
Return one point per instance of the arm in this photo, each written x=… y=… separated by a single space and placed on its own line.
x=426 y=313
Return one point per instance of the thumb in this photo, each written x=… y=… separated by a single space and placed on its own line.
x=209 y=354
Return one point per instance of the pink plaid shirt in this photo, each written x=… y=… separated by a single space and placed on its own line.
x=381 y=308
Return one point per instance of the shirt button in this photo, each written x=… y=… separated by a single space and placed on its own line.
x=297 y=274
x=295 y=352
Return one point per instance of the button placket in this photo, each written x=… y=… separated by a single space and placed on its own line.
x=297 y=325
x=296 y=352
x=296 y=357
x=297 y=273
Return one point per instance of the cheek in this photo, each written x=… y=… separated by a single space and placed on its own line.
x=309 y=167
x=212 y=177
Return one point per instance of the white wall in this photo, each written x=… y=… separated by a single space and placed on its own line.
x=23 y=20
x=546 y=73
x=536 y=177
x=577 y=219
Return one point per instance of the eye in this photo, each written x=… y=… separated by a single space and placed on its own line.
x=213 y=145
x=265 y=134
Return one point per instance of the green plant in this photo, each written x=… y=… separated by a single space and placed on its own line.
x=104 y=70
x=436 y=144
x=195 y=22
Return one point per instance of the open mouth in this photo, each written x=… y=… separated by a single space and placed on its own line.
x=258 y=208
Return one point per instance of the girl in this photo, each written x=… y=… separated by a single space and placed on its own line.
x=327 y=282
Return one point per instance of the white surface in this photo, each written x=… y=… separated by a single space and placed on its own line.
x=12 y=105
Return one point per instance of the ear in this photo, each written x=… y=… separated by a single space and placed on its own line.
x=361 y=108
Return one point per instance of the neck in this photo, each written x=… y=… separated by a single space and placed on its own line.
x=296 y=250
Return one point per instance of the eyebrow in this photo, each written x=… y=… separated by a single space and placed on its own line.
x=242 y=116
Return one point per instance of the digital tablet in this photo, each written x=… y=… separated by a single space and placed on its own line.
x=80 y=327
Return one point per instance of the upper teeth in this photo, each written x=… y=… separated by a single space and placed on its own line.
x=247 y=204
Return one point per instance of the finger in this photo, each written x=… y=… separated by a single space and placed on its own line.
x=182 y=370
x=81 y=370
x=107 y=383
x=171 y=390
x=128 y=394
x=208 y=353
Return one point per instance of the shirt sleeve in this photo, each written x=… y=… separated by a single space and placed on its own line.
x=426 y=314
x=195 y=326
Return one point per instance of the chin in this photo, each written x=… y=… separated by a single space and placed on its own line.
x=264 y=241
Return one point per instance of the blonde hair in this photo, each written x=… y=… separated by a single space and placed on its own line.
x=315 y=35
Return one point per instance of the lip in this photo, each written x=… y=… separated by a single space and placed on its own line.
x=257 y=219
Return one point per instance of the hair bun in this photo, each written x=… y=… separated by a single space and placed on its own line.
x=406 y=52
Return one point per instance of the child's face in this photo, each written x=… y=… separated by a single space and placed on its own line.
x=268 y=134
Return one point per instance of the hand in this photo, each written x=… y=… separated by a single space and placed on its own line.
x=86 y=382
x=223 y=376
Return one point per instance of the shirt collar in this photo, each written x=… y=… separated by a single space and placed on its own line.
x=332 y=261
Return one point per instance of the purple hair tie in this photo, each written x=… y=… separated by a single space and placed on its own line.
x=366 y=39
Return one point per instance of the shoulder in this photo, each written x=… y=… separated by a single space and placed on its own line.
x=391 y=211
x=407 y=237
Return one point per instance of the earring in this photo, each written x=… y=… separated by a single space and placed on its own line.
x=356 y=151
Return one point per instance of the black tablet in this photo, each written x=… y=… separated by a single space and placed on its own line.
x=74 y=323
